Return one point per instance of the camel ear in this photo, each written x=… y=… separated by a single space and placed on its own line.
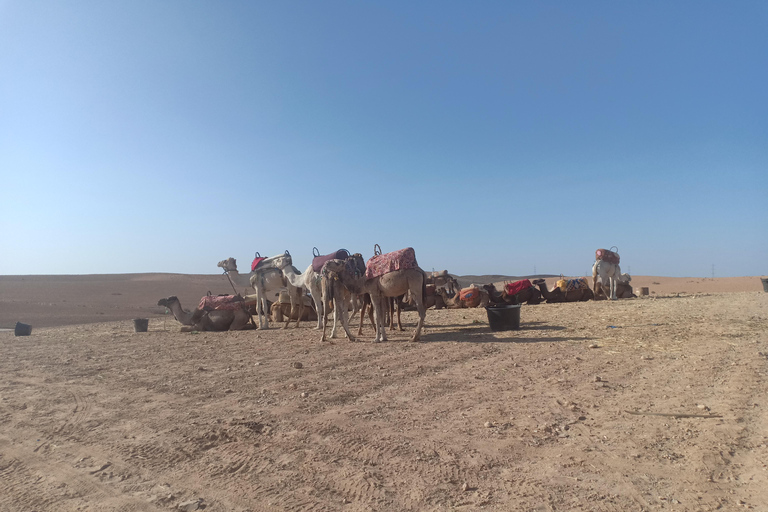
x=287 y=253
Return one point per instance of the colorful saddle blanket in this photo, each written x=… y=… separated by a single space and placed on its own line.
x=517 y=286
x=607 y=256
x=319 y=261
x=256 y=262
x=385 y=263
x=569 y=285
x=469 y=294
x=221 y=302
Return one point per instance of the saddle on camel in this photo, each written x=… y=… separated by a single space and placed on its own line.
x=569 y=285
x=517 y=286
x=607 y=255
x=380 y=264
x=221 y=302
x=318 y=261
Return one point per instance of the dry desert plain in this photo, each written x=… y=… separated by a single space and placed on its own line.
x=653 y=403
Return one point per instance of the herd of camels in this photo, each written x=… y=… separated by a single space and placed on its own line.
x=341 y=282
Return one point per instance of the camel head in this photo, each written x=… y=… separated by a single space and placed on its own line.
x=167 y=302
x=625 y=278
x=284 y=260
x=229 y=264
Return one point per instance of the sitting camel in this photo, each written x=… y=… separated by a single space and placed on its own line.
x=281 y=308
x=442 y=279
x=558 y=295
x=607 y=267
x=431 y=298
x=523 y=294
x=208 y=320
x=471 y=297
x=380 y=287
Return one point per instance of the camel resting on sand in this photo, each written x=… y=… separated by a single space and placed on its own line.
x=203 y=320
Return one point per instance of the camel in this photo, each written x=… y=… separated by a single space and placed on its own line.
x=442 y=279
x=623 y=288
x=203 y=320
x=241 y=282
x=431 y=298
x=342 y=280
x=310 y=281
x=390 y=284
x=267 y=280
x=281 y=308
x=471 y=297
x=530 y=295
x=606 y=272
x=558 y=295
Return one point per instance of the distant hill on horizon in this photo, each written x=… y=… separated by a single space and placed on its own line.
x=495 y=278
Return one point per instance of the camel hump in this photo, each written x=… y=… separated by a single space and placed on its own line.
x=381 y=264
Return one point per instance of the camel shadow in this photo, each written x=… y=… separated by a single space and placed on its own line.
x=479 y=333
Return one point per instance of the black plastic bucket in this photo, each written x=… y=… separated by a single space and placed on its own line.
x=140 y=324
x=765 y=283
x=22 y=329
x=504 y=317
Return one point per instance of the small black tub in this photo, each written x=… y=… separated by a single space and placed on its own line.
x=504 y=317
x=22 y=329
x=140 y=324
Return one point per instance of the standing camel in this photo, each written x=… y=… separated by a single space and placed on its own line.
x=606 y=272
x=298 y=281
x=391 y=284
x=267 y=280
x=342 y=281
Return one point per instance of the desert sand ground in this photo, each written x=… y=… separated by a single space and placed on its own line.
x=654 y=403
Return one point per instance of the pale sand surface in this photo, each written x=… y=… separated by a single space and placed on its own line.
x=654 y=403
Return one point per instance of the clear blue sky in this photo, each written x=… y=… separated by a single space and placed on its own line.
x=492 y=136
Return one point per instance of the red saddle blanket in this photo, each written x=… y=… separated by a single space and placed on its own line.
x=607 y=256
x=385 y=263
x=319 y=261
x=226 y=302
x=517 y=286
x=256 y=262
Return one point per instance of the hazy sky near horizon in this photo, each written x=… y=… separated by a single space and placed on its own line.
x=494 y=137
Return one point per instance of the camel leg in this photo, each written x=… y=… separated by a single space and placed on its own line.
x=289 y=315
x=614 y=281
x=323 y=318
x=297 y=297
x=301 y=309
x=399 y=304
x=365 y=303
x=345 y=315
x=378 y=304
x=594 y=278
x=416 y=293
